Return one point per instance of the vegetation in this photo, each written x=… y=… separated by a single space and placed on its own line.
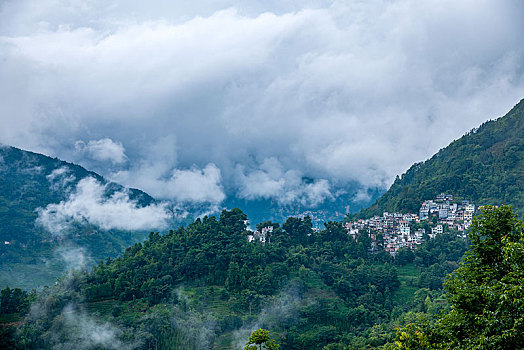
x=485 y=292
x=485 y=166
x=205 y=286
x=29 y=257
x=259 y=340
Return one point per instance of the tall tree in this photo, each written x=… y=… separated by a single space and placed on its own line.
x=486 y=292
x=260 y=339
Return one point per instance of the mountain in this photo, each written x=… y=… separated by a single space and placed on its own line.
x=30 y=184
x=207 y=286
x=486 y=166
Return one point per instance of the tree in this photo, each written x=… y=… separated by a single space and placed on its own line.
x=298 y=229
x=260 y=339
x=485 y=292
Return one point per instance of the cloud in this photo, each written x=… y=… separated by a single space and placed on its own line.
x=103 y=150
x=74 y=257
x=86 y=332
x=73 y=328
x=60 y=179
x=89 y=204
x=171 y=94
x=273 y=182
x=197 y=185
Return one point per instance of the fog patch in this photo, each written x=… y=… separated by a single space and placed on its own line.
x=90 y=204
x=74 y=257
x=281 y=312
x=85 y=332
x=271 y=181
x=105 y=150
x=35 y=170
x=60 y=179
x=58 y=318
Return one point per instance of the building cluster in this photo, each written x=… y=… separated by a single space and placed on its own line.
x=262 y=235
x=398 y=230
x=456 y=216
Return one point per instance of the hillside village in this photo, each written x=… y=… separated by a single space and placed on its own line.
x=395 y=231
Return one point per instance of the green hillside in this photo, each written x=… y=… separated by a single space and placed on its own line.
x=27 y=250
x=486 y=165
x=206 y=287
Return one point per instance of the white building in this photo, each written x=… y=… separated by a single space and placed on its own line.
x=437 y=229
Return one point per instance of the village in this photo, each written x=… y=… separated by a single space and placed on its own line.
x=399 y=231
x=395 y=231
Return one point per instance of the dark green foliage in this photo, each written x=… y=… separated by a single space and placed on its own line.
x=485 y=292
x=485 y=166
x=24 y=187
x=312 y=289
x=13 y=301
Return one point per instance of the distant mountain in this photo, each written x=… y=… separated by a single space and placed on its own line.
x=486 y=165
x=29 y=182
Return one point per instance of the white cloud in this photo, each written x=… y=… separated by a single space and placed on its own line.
x=90 y=204
x=287 y=187
x=82 y=331
x=336 y=91
x=196 y=185
x=103 y=150
x=60 y=179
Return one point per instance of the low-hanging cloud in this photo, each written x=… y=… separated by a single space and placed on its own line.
x=271 y=181
x=169 y=95
x=197 y=185
x=61 y=179
x=90 y=204
x=73 y=257
x=86 y=332
x=103 y=150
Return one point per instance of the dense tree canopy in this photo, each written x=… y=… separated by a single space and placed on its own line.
x=200 y=286
x=485 y=292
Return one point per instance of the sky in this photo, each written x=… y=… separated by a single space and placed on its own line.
x=285 y=100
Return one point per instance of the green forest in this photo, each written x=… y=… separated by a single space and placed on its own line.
x=27 y=184
x=206 y=287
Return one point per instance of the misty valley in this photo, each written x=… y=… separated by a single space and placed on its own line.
x=390 y=281
x=261 y=175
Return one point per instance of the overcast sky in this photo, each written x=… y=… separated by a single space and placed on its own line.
x=200 y=100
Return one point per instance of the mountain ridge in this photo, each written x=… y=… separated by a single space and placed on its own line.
x=29 y=183
x=485 y=165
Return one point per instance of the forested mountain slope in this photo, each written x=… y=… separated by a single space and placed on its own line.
x=29 y=182
x=207 y=287
x=486 y=166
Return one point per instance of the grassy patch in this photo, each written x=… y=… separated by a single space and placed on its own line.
x=407 y=276
x=29 y=276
